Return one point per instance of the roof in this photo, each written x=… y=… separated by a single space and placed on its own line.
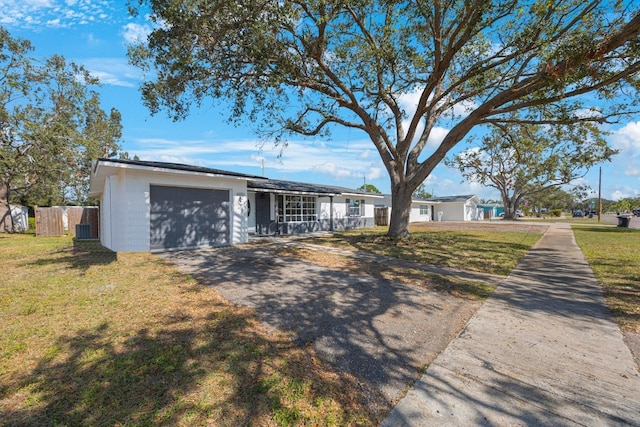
x=280 y=186
x=177 y=166
x=253 y=181
x=105 y=167
x=451 y=199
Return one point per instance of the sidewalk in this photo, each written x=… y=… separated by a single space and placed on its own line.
x=542 y=350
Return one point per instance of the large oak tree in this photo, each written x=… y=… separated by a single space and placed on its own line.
x=51 y=126
x=305 y=67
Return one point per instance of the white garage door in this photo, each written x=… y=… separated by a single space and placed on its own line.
x=184 y=218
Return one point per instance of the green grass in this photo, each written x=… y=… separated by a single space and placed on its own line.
x=469 y=249
x=95 y=339
x=614 y=256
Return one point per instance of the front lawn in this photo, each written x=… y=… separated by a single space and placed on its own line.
x=614 y=256
x=489 y=248
x=98 y=340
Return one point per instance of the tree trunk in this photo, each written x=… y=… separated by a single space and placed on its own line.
x=400 y=211
x=510 y=205
x=6 y=222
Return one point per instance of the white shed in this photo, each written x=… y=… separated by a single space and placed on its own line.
x=20 y=217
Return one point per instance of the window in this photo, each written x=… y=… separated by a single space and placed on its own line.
x=355 y=207
x=296 y=208
x=424 y=210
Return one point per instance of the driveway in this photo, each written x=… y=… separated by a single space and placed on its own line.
x=384 y=333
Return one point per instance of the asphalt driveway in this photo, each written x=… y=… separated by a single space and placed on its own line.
x=383 y=332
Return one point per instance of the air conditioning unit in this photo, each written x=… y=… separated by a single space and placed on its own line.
x=83 y=231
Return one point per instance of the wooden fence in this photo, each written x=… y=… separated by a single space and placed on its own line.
x=55 y=220
x=83 y=215
x=49 y=222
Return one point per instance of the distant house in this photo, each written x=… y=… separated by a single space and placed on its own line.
x=491 y=210
x=161 y=206
x=449 y=208
x=457 y=208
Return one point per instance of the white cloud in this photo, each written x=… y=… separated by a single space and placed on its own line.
x=54 y=13
x=627 y=137
x=376 y=173
x=619 y=195
x=331 y=169
x=113 y=71
x=54 y=23
x=632 y=171
x=627 y=140
x=337 y=162
x=135 y=33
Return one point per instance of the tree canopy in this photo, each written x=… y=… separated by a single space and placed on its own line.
x=369 y=188
x=51 y=126
x=521 y=161
x=304 y=67
x=421 y=192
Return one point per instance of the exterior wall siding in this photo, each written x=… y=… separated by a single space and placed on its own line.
x=105 y=215
x=451 y=211
x=416 y=216
x=129 y=229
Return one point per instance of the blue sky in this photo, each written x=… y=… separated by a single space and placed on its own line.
x=95 y=33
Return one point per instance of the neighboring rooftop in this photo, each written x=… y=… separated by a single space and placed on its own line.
x=450 y=199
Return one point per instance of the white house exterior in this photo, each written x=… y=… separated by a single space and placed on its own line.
x=421 y=209
x=450 y=208
x=157 y=206
x=457 y=208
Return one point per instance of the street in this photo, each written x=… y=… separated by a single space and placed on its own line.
x=613 y=219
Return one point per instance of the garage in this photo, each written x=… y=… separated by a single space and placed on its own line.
x=182 y=218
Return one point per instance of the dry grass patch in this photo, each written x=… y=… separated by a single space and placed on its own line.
x=99 y=339
x=451 y=285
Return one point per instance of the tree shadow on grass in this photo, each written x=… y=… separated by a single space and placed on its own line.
x=218 y=370
x=79 y=258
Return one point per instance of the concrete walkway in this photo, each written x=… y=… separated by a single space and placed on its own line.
x=542 y=350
